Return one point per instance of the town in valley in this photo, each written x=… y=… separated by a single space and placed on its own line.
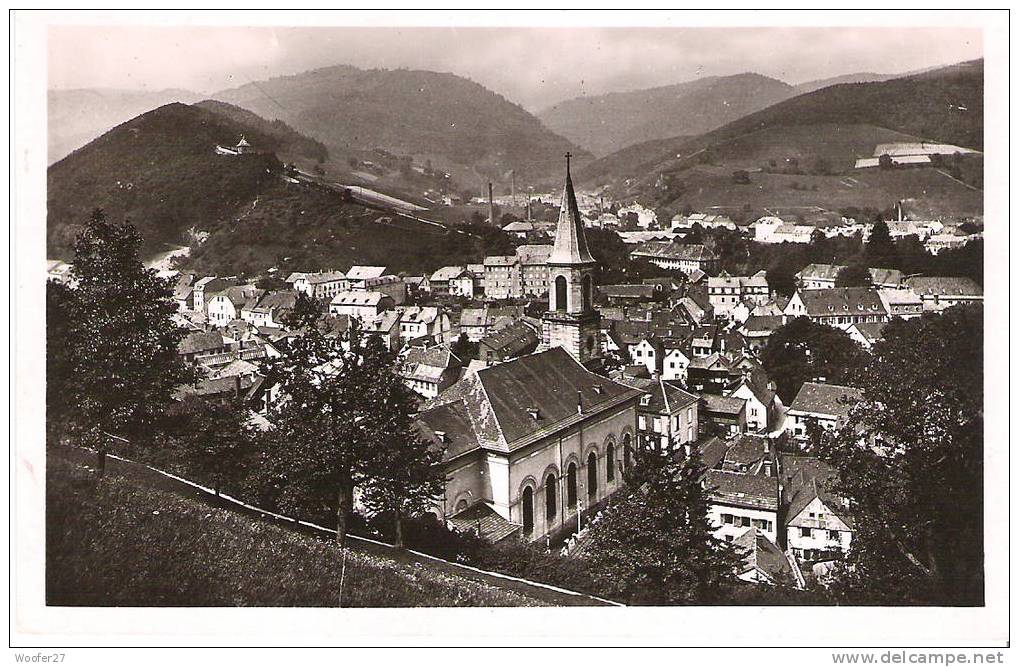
x=736 y=363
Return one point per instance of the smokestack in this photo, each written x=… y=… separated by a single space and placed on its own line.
x=491 y=205
x=513 y=187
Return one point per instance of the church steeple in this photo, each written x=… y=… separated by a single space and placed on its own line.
x=570 y=243
x=571 y=321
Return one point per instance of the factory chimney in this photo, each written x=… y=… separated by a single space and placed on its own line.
x=491 y=205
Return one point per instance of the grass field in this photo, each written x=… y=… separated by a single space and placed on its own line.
x=706 y=188
x=126 y=540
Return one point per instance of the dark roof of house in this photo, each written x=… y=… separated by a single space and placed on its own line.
x=482 y=519
x=756 y=323
x=662 y=397
x=944 y=286
x=805 y=478
x=453 y=422
x=841 y=301
x=513 y=340
x=825 y=399
x=676 y=251
x=871 y=330
x=764 y=555
x=712 y=451
x=722 y=404
x=200 y=341
x=628 y=291
x=730 y=488
x=502 y=399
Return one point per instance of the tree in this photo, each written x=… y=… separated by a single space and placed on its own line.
x=214 y=442
x=854 y=275
x=306 y=313
x=801 y=351
x=464 y=348
x=884 y=161
x=59 y=358
x=403 y=473
x=781 y=279
x=916 y=501
x=322 y=435
x=880 y=248
x=121 y=341
x=655 y=544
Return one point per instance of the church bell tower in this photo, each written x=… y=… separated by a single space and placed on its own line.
x=571 y=322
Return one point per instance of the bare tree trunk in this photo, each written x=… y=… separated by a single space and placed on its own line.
x=101 y=462
x=343 y=507
x=398 y=526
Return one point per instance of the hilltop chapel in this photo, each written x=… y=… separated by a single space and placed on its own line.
x=534 y=443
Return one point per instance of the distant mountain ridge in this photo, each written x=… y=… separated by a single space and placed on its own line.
x=606 y=123
x=451 y=121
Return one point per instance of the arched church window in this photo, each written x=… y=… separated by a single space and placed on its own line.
x=586 y=292
x=528 y=510
x=560 y=293
x=550 y=497
x=592 y=477
x=610 y=463
x=571 y=485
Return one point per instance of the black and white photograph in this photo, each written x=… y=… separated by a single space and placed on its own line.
x=357 y=317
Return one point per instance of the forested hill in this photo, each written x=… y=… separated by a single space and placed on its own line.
x=604 y=124
x=161 y=171
x=451 y=121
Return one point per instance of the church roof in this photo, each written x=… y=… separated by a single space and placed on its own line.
x=570 y=243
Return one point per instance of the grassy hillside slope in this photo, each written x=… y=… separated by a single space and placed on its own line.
x=119 y=542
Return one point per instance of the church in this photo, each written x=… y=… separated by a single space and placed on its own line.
x=533 y=443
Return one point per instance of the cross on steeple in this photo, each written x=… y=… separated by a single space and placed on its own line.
x=568 y=156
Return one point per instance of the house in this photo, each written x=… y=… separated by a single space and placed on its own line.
x=363 y=305
x=739 y=501
x=666 y=416
x=417 y=285
x=532 y=262
x=762 y=401
x=466 y=285
x=649 y=352
x=818 y=525
x=938 y=293
x=387 y=326
x=391 y=286
x=687 y=258
x=183 y=292
x=502 y=277
x=764 y=228
x=429 y=371
x=821 y=404
x=837 y=307
x=646 y=218
x=902 y=302
x=758 y=329
x=477 y=323
x=765 y=562
x=675 y=361
x=59 y=271
x=705 y=220
x=201 y=343
x=424 y=322
x=530 y=443
x=511 y=341
x=722 y=415
x=866 y=333
x=712 y=373
x=357 y=276
x=629 y=294
x=323 y=285
x=209 y=285
x=725 y=292
x=226 y=306
x=440 y=280
x=519 y=228
x=938 y=243
x=269 y=309
x=823 y=276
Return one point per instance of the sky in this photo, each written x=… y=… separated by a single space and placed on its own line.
x=534 y=67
